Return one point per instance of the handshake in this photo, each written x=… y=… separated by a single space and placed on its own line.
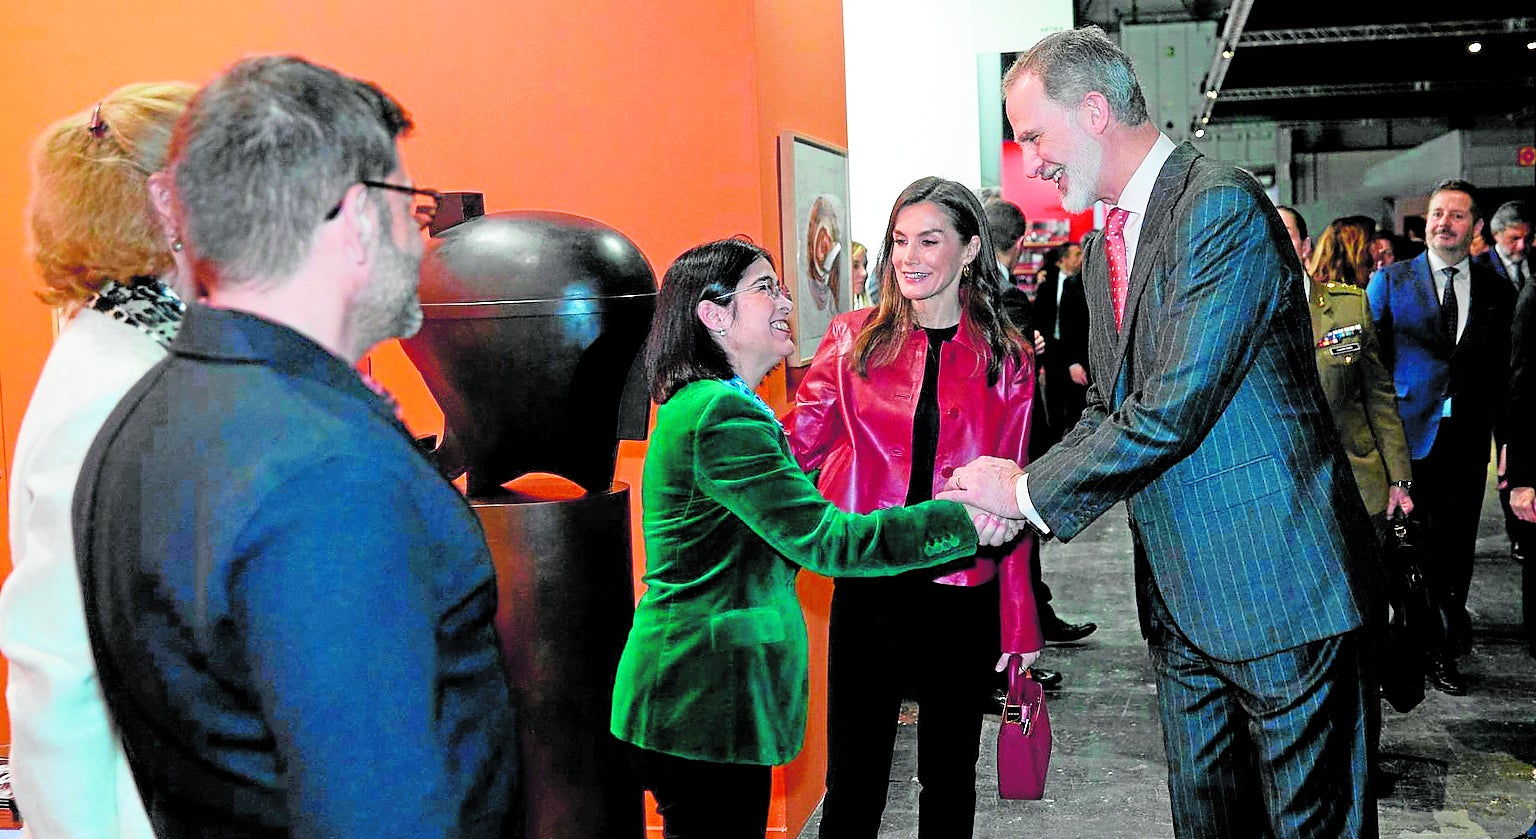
x=987 y=486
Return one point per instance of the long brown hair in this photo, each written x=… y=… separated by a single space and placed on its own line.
x=1343 y=254
x=980 y=288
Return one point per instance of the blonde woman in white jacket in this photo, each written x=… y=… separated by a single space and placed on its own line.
x=111 y=265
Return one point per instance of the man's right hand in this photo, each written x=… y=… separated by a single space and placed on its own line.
x=988 y=483
x=1078 y=374
x=1522 y=501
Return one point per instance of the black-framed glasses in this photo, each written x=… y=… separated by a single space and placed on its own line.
x=766 y=286
x=424 y=202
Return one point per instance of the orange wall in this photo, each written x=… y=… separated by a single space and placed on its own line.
x=801 y=88
x=659 y=119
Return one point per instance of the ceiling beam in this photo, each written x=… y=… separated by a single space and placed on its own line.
x=1385 y=32
x=1231 y=34
x=1316 y=91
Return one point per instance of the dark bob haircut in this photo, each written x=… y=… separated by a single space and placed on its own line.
x=680 y=349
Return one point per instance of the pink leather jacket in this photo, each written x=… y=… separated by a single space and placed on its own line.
x=858 y=431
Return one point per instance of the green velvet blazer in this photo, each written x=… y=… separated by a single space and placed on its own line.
x=716 y=665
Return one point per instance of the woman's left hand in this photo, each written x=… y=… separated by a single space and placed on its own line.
x=1026 y=660
x=993 y=530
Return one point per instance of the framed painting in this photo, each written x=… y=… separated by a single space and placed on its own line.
x=815 y=238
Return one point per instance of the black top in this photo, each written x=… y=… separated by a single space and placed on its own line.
x=925 y=423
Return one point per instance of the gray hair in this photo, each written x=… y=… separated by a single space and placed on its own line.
x=1073 y=62
x=266 y=150
x=1510 y=212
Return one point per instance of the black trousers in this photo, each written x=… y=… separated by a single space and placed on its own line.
x=1448 y=487
x=940 y=643
x=702 y=800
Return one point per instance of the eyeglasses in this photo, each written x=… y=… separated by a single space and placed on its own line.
x=766 y=286
x=423 y=207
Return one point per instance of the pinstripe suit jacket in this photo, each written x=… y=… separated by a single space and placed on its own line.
x=1206 y=416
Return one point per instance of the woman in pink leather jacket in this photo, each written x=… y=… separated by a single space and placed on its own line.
x=896 y=397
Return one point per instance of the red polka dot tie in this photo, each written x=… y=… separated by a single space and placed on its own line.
x=1119 y=270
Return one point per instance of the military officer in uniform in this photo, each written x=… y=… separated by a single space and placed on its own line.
x=1357 y=384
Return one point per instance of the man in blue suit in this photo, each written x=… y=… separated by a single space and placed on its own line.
x=1447 y=344
x=1254 y=556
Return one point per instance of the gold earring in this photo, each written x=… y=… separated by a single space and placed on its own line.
x=966 y=272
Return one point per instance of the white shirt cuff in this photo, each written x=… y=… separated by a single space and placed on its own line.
x=1021 y=491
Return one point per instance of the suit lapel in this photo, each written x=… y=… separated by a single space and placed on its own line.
x=1156 y=226
x=1101 y=319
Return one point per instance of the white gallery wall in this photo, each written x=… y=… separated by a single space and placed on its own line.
x=914 y=94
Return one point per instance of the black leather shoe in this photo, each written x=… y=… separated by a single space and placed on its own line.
x=1048 y=679
x=1061 y=632
x=1444 y=677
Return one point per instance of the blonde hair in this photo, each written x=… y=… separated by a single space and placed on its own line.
x=90 y=214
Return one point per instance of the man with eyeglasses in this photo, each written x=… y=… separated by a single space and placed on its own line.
x=290 y=609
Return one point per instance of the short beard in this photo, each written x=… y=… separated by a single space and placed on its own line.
x=1083 y=175
x=389 y=306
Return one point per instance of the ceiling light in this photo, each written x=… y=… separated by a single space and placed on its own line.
x=1205 y=120
x=1475 y=47
x=1210 y=94
x=1227 y=53
x=1530 y=45
x=1199 y=133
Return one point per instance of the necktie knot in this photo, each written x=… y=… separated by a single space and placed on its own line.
x=1115 y=225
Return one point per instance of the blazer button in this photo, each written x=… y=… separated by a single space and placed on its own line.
x=952 y=413
x=946 y=472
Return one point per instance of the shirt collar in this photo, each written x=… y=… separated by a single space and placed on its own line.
x=235 y=337
x=1138 y=190
x=1437 y=265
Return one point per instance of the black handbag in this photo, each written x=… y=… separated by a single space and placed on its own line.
x=1417 y=623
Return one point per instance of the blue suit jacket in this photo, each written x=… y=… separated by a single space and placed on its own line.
x=1206 y=415
x=291 y=611
x=1425 y=368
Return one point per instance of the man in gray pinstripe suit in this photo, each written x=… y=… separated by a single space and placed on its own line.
x=1255 y=561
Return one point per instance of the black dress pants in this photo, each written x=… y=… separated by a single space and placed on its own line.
x=939 y=641
x=702 y=800
x=1448 y=487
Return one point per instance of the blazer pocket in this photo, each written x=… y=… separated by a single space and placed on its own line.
x=745 y=628
x=1234 y=485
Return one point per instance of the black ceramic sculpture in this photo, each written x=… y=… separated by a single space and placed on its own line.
x=534 y=322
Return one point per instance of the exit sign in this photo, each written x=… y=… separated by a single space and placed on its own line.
x=1526 y=156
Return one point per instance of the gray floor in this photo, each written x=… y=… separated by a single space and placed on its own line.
x=1456 y=766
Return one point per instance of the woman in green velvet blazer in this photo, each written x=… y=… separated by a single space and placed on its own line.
x=711 y=689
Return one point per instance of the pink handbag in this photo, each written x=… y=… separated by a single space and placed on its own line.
x=1024 y=742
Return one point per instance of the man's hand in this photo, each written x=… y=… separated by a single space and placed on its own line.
x=1078 y=374
x=991 y=530
x=1522 y=500
x=988 y=483
x=1397 y=499
x=1503 y=462
x=1039 y=343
